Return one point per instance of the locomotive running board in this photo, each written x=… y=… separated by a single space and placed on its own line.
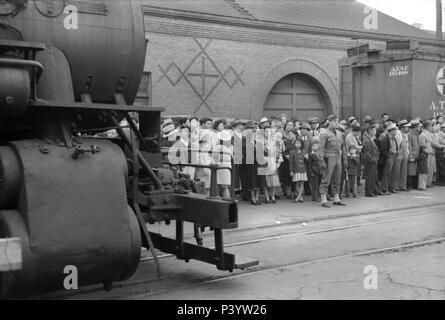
x=40 y=103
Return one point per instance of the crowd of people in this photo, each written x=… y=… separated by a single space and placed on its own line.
x=327 y=160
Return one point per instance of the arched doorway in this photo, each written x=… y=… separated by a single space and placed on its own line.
x=298 y=96
x=312 y=73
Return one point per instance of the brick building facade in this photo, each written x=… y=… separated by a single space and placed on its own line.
x=243 y=58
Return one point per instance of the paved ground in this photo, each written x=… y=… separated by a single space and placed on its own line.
x=410 y=274
x=403 y=236
x=285 y=211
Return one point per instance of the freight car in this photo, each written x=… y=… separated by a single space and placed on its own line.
x=69 y=197
x=405 y=80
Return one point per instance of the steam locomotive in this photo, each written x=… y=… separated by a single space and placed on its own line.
x=70 y=69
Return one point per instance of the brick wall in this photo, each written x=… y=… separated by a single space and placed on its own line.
x=208 y=69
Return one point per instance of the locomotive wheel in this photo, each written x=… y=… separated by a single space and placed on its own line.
x=16 y=283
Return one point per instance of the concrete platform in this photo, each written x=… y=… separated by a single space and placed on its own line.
x=287 y=212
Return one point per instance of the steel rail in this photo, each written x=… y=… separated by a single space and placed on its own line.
x=275 y=267
x=295 y=234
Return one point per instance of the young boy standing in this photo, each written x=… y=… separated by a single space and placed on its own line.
x=316 y=168
x=353 y=166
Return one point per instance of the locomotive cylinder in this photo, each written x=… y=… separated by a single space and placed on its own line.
x=75 y=214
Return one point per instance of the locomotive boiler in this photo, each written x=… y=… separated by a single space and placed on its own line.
x=70 y=69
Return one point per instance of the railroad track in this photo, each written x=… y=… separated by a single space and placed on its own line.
x=299 y=263
x=282 y=235
x=277 y=236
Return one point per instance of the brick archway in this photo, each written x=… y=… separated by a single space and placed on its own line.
x=306 y=67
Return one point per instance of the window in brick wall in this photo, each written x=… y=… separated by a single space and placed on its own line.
x=143 y=97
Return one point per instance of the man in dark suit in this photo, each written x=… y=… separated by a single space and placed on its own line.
x=306 y=138
x=414 y=148
x=389 y=151
x=371 y=158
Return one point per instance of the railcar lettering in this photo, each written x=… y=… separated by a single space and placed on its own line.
x=397 y=71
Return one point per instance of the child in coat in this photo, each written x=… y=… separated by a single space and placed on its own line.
x=353 y=168
x=317 y=168
x=422 y=169
x=297 y=170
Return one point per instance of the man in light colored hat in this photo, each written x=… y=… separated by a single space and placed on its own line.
x=264 y=122
x=331 y=145
x=169 y=133
x=367 y=119
x=405 y=128
x=425 y=141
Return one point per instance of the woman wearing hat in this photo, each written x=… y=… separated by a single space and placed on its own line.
x=266 y=163
x=251 y=181
x=274 y=159
x=205 y=158
x=283 y=170
x=222 y=152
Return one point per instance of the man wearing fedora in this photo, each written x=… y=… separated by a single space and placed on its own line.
x=314 y=124
x=331 y=145
x=353 y=139
x=342 y=128
x=414 y=148
x=264 y=122
x=440 y=157
x=425 y=142
x=405 y=128
x=169 y=133
x=390 y=150
x=371 y=156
